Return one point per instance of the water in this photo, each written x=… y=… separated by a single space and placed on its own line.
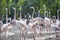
x=41 y=37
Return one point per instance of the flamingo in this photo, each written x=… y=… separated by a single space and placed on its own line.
x=20 y=24
x=55 y=25
x=46 y=19
x=6 y=27
x=30 y=20
x=23 y=26
x=37 y=19
x=40 y=22
x=57 y=21
x=47 y=23
x=32 y=27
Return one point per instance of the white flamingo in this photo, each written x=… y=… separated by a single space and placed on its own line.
x=32 y=25
x=20 y=24
x=7 y=24
x=47 y=21
x=6 y=27
x=37 y=19
x=32 y=28
x=57 y=21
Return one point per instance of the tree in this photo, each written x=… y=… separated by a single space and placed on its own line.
x=2 y=8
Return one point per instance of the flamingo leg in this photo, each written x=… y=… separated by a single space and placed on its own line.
x=20 y=34
x=5 y=36
x=34 y=36
x=24 y=37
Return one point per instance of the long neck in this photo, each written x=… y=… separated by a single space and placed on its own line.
x=15 y=14
x=33 y=13
x=49 y=14
x=6 y=16
x=38 y=13
x=58 y=14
